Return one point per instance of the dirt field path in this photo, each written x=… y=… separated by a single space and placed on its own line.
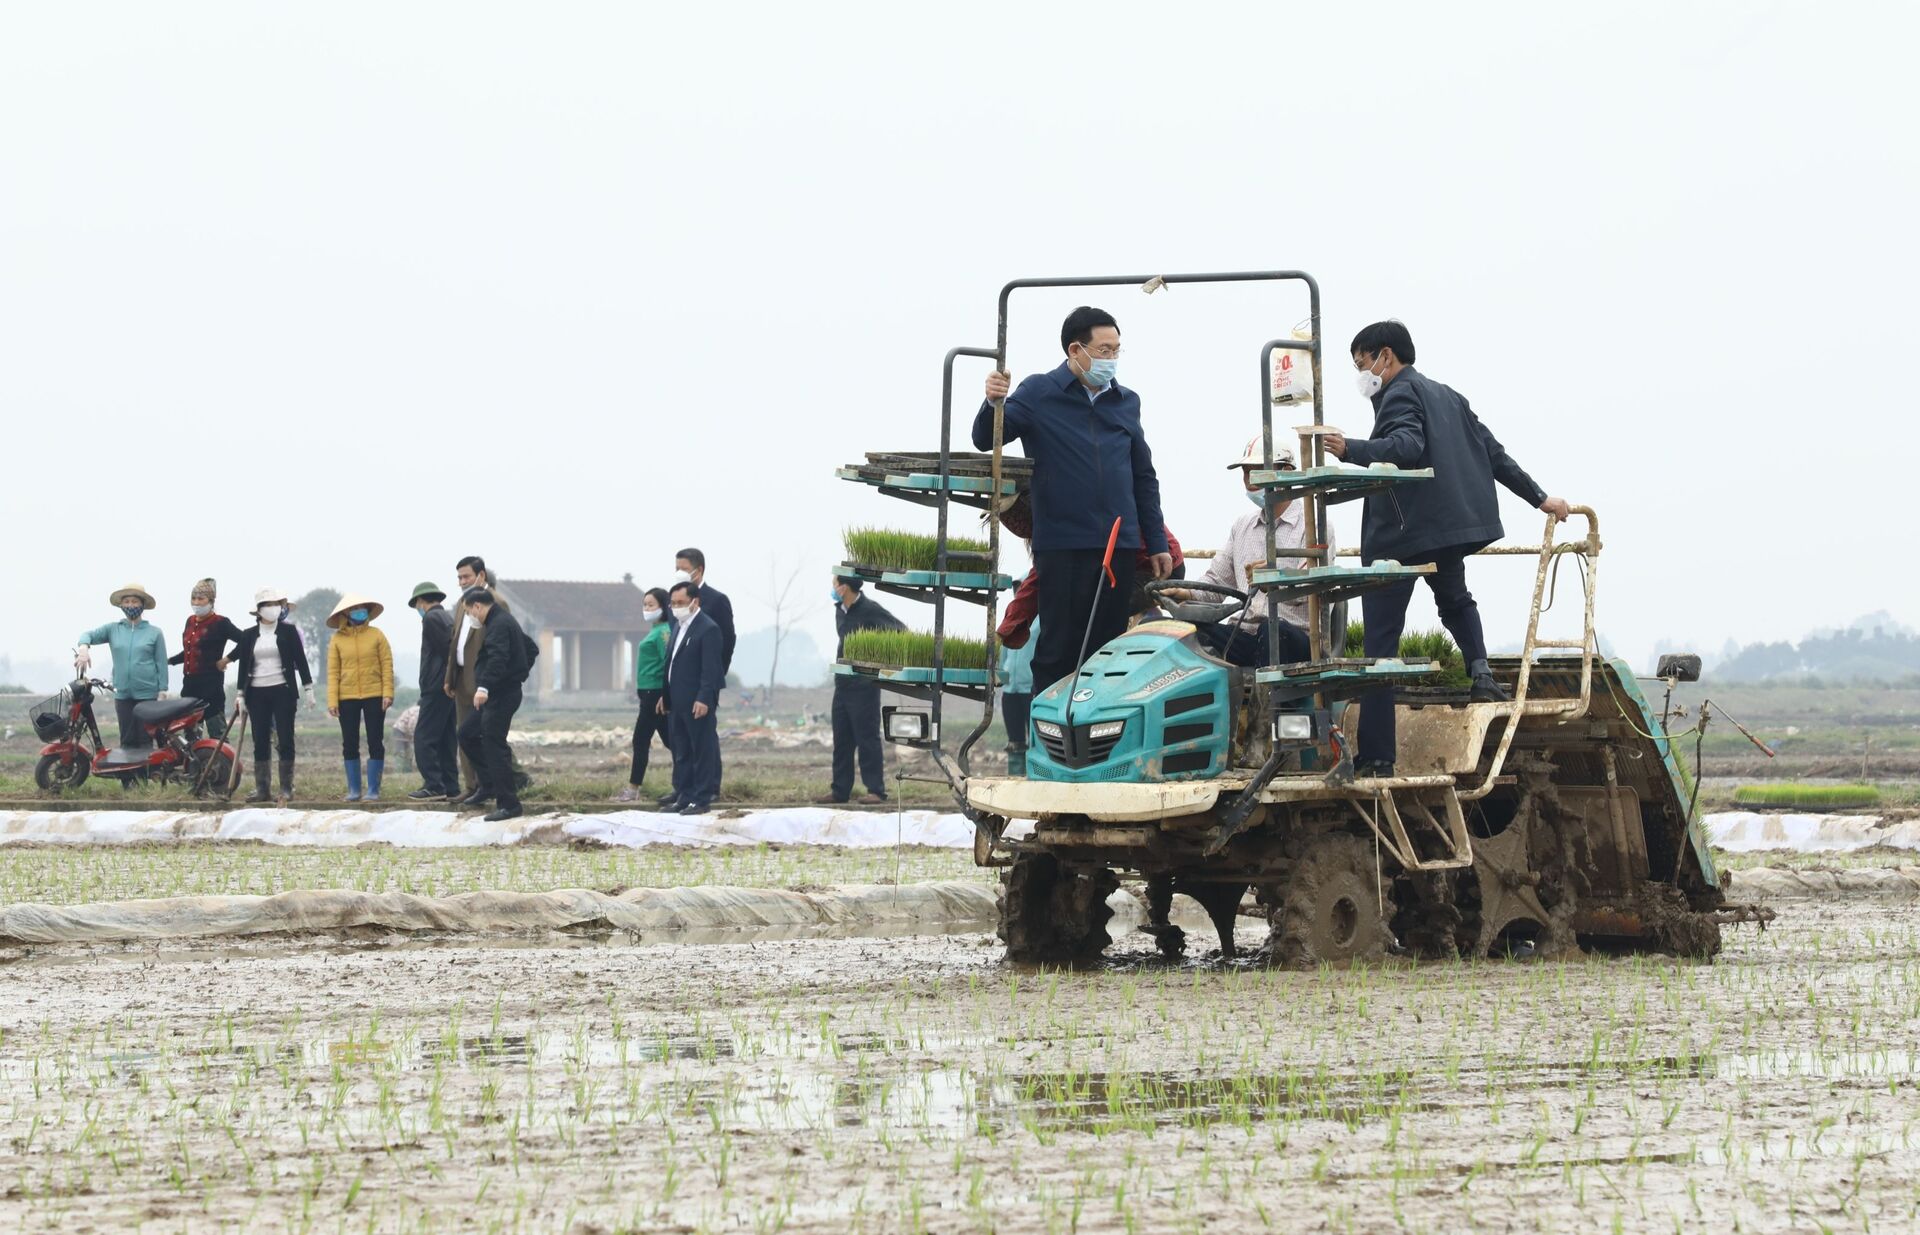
x=888 y=1085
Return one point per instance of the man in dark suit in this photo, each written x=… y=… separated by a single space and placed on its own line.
x=692 y=566
x=504 y=663
x=695 y=676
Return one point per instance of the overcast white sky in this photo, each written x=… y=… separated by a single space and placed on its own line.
x=333 y=295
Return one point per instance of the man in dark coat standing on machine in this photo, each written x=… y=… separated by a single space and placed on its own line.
x=1091 y=465
x=695 y=677
x=856 y=700
x=1417 y=422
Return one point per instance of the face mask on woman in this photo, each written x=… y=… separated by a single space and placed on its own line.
x=202 y=610
x=652 y=615
x=269 y=613
x=357 y=616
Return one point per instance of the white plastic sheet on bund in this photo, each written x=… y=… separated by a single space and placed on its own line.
x=1736 y=831
x=430 y=829
x=904 y=909
x=1748 y=832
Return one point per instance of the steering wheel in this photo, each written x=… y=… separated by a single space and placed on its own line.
x=1197 y=611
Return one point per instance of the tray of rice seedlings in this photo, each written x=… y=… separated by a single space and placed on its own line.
x=1793 y=795
x=906 y=656
x=1425 y=646
x=969 y=476
x=909 y=559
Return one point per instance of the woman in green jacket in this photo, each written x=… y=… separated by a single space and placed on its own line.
x=139 y=658
x=649 y=682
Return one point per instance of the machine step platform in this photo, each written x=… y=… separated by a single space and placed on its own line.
x=1332 y=583
x=1342 y=677
x=1337 y=484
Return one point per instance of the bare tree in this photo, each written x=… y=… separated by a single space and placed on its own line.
x=787 y=611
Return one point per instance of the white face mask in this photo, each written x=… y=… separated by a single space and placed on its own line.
x=652 y=615
x=202 y=610
x=683 y=576
x=682 y=612
x=1368 y=382
x=269 y=613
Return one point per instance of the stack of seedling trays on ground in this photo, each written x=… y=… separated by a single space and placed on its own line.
x=908 y=564
x=916 y=477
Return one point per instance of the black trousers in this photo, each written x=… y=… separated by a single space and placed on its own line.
x=1384 y=610
x=856 y=730
x=483 y=739
x=355 y=712
x=271 y=708
x=1016 y=713
x=1073 y=589
x=646 y=726
x=209 y=686
x=1248 y=648
x=696 y=755
x=132 y=732
x=434 y=743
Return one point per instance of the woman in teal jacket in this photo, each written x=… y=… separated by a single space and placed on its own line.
x=139 y=658
x=649 y=682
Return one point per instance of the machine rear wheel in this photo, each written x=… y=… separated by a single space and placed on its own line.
x=54 y=777
x=1329 y=910
x=1053 y=912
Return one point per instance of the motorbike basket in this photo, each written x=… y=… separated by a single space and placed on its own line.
x=49 y=716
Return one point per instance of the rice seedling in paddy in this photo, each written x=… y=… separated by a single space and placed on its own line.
x=1807 y=797
x=888 y=549
x=81 y=874
x=846 y=1087
x=901 y=649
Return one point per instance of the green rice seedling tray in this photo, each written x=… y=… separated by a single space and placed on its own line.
x=917 y=681
x=1337 y=484
x=1342 y=677
x=1332 y=582
x=903 y=581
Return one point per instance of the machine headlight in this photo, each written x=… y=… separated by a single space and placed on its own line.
x=1047 y=727
x=1107 y=729
x=907 y=726
x=1297 y=727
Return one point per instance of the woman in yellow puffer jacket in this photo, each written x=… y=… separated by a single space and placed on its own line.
x=360 y=687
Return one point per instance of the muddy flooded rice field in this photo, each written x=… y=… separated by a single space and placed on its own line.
x=916 y=1083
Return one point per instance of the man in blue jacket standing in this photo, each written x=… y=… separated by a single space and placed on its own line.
x=1417 y=422
x=1091 y=465
x=696 y=659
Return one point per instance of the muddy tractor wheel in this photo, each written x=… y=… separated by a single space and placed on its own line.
x=54 y=777
x=1054 y=912
x=1504 y=913
x=1329 y=907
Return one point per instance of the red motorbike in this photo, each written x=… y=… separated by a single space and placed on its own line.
x=177 y=748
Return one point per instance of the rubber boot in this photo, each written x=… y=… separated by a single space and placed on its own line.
x=262 y=783
x=353 y=781
x=286 y=780
x=375 y=769
x=1017 y=760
